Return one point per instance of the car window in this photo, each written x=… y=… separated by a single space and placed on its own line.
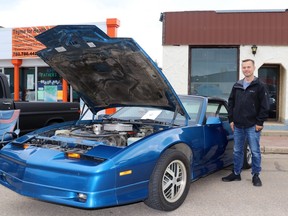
x=138 y=113
x=192 y=106
x=212 y=109
x=223 y=113
x=217 y=110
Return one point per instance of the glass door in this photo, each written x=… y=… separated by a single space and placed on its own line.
x=27 y=83
x=269 y=74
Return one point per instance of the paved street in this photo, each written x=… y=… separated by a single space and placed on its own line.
x=207 y=196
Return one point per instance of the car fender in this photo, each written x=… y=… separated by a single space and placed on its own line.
x=135 y=164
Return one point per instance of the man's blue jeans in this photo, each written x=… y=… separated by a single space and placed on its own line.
x=253 y=137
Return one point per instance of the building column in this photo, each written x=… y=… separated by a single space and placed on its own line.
x=64 y=90
x=17 y=63
x=112 y=26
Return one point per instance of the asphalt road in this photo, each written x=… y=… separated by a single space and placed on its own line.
x=207 y=196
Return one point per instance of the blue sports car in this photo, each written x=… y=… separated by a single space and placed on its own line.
x=150 y=150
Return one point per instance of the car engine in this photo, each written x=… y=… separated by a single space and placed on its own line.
x=86 y=136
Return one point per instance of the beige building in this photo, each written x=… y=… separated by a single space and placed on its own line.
x=203 y=50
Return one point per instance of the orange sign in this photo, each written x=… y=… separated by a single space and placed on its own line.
x=24 y=45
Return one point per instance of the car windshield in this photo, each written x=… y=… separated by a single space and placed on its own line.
x=191 y=104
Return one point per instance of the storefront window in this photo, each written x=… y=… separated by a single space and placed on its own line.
x=49 y=85
x=27 y=84
x=9 y=72
x=213 y=71
x=45 y=85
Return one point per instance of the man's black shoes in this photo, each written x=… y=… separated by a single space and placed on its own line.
x=256 y=180
x=232 y=177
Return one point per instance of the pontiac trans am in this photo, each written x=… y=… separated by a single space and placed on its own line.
x=150 y=150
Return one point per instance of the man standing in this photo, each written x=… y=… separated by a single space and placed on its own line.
x=248 y=108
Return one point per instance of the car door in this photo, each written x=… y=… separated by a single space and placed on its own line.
x=218 y=136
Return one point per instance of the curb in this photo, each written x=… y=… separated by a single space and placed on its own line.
x=273 y=150
x=274 y=133
x=274 y=141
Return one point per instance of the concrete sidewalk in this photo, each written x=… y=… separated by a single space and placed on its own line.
x=273 y=143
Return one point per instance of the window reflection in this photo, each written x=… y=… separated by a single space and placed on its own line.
x=213 y=71
x=49 y=85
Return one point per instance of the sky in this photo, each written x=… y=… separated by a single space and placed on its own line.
x=139 y=19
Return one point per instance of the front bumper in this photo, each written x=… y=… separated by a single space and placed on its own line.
x=60 y=181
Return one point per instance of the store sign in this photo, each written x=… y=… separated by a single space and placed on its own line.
x=24 y=45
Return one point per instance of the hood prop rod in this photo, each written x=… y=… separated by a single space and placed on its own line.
x=174 y=117
x=83 y=112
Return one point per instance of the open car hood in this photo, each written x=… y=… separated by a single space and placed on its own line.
x=107 y=72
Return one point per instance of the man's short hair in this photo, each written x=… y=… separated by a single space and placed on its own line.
x=246 y=60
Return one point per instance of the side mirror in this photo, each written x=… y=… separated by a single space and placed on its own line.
x=213 y=120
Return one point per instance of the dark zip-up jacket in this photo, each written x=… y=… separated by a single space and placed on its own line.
x=250 y=106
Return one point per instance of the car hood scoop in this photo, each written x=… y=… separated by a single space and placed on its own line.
x=107 y=72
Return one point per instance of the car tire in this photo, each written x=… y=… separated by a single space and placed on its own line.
x=170 y=181
x=247 y=162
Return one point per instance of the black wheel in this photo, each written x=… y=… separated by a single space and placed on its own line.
x=170 y=181
x=247 y=163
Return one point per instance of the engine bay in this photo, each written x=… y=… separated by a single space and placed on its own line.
x=83 y=137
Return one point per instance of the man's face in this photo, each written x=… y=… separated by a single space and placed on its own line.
x=248 y=68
